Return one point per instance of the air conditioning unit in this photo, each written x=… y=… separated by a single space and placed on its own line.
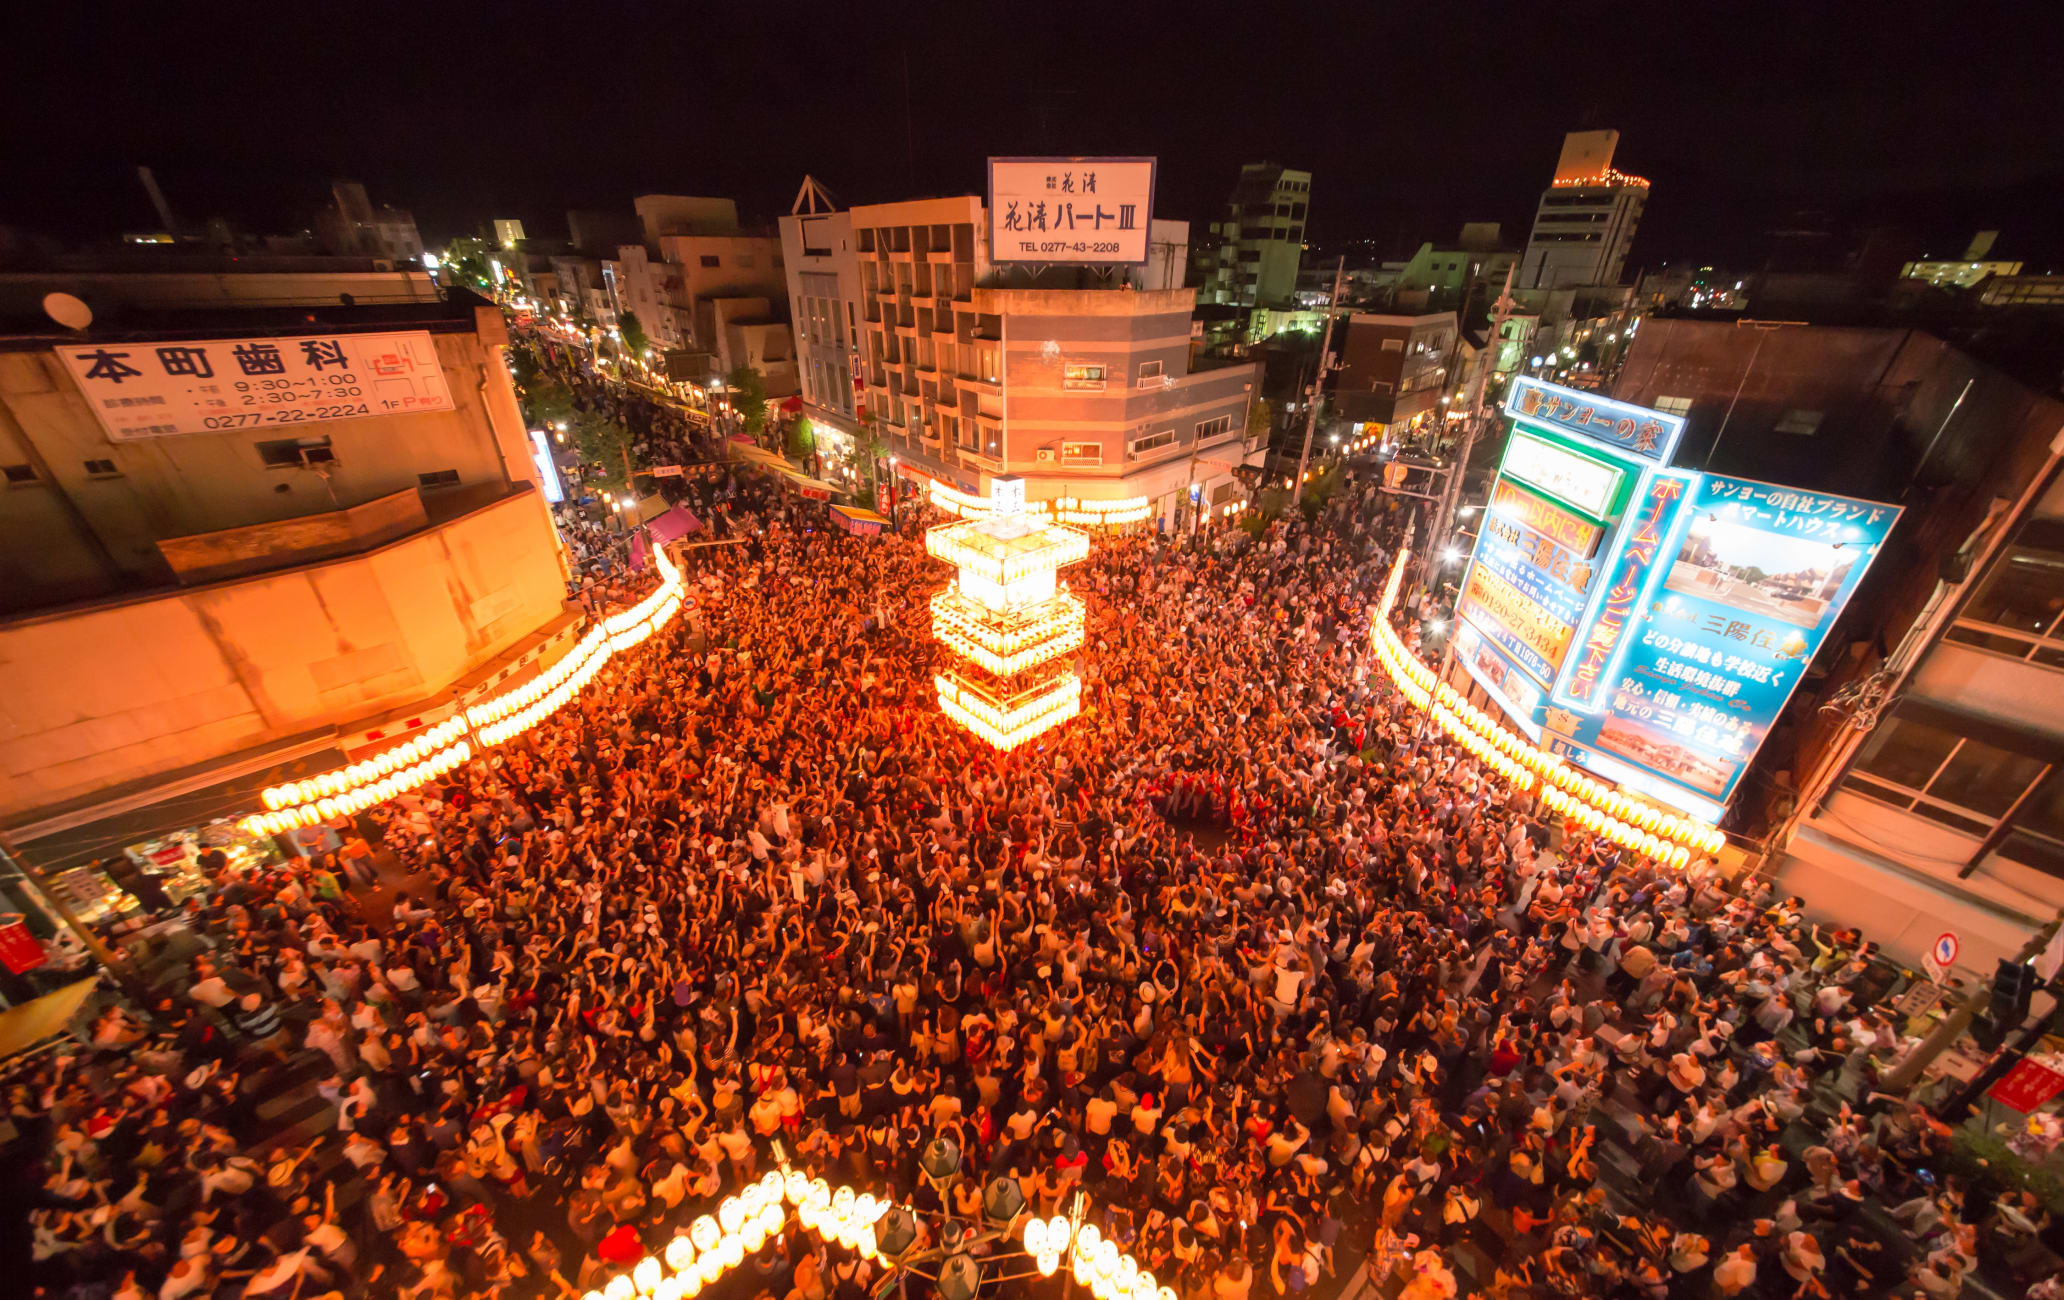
x=1046 y=455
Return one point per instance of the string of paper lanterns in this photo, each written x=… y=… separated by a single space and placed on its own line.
x=396 y=771
x=1629 y=822
x=714 y=1244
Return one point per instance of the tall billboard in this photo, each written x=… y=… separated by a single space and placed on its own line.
x=1651 y=628
x=1080 y=211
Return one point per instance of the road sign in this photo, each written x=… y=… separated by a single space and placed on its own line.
x=1942 y=956
x=1919 y=999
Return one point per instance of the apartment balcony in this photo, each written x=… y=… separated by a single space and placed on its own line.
x=986 y=387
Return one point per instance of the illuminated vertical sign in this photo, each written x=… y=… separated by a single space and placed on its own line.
x=1627 y=575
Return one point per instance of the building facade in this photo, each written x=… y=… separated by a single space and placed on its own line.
x=1910 y=786
x=1586 y=219
x=1260 y=240
x=1083 y=392
x=185 y=596
x=824 y=307
x=1394 y=371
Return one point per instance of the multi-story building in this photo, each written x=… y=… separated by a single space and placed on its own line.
x=824 y=306
x=1083 y=392
x=508 y=233
x=1915 y=784
x=1465 y=274
x=675 y=284
x=198 y=596
x=660 y=215
x=1261 y=238
x=1394 y=371
x=1586 y=219
x=352 y=226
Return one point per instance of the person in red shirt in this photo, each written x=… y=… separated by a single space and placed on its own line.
x=621 y=1247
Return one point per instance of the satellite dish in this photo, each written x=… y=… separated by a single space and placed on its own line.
x=67 y=310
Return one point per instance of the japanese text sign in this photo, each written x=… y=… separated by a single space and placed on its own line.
x=1552 y=522
x=1585 y=482
x=154 y=389
x=1070 y=210
x=1628 y=575
x=1636 y=430
x=1699 y=661
x=2027 y=1086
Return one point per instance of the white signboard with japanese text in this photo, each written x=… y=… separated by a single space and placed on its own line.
x=152 y=390
x=1092 y=211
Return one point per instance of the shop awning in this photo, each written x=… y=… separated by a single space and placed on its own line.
x=858 y=521
x=790 y=406
x=673 y=525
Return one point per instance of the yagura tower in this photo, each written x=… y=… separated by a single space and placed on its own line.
x=1007 y=621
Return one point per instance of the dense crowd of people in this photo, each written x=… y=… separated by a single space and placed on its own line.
x=1248 y=951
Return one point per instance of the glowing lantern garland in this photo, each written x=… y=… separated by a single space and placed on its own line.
x=352 y=789
x=714 y=1244
x=1006 y=620
x=1632 y=824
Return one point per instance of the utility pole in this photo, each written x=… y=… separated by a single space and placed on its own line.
x=1311 y=414
x=1451 y=495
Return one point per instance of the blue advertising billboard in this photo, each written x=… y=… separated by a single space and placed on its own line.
x=1649 y=623
x=1748 y=579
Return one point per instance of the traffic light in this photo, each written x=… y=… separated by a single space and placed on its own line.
x=2013 y=984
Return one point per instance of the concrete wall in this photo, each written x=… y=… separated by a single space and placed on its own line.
x=117 y=692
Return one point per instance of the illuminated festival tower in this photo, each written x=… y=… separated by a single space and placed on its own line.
x=1007 y=621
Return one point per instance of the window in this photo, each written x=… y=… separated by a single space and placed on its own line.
x=1393 y=345
x=2018 y=609
x=1214 y=428
x=101 y=468
x=292 y=453
x=1802 y=423
x=1673 y=405
x=1149 y=372
x=1082 y=453
x=1151 y=441
x=19 y=473
x=1083 y=378
x=439 y=478
x=1924 y=764
x=710 y=262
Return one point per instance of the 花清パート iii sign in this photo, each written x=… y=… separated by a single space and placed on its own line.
x=157 y=389
x=1070 y=210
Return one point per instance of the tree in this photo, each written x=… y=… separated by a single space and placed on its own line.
x=606 y=445
x=1261 y=418
x=802 y=439
x=628 y=325
x=467 y=261
x=748 y=398
x=547 y=403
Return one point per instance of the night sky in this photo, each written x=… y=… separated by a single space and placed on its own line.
x=1413 y=118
